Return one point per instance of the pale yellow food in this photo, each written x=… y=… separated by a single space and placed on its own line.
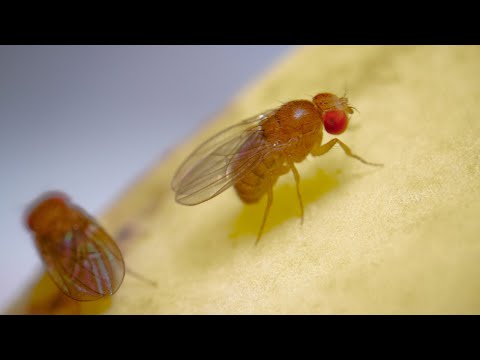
x=404 y=238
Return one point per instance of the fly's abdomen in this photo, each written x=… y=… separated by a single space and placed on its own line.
x=254 y=184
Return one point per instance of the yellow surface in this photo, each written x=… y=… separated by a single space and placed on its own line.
x=404 y=238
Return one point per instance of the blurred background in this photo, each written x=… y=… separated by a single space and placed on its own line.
x=88 y=120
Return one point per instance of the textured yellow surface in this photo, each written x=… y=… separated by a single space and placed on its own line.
x=404 y=238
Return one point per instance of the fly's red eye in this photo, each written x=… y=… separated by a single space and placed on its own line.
x=335 y=121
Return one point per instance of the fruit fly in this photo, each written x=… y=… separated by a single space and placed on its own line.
x=80 y=257
x=253 y=154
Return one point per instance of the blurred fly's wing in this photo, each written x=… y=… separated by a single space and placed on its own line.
x=87 y=266
x=221 y=161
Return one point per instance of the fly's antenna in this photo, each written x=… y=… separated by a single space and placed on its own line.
x=140 y=277
x=345 y=93
x=354 y=108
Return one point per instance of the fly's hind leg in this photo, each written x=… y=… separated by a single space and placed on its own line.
x=296 y=175
x=322 y=149
x=140 y=277
x=265 y=214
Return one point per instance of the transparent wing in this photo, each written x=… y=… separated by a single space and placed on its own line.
x=221 y=161
x=87 y=265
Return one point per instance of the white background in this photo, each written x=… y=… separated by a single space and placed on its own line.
x=88 y=120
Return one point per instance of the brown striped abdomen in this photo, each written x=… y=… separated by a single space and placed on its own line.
x=254 y=184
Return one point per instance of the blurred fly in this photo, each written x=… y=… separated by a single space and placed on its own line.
x=80 y=257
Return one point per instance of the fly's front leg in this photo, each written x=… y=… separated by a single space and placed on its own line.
x=322 y=149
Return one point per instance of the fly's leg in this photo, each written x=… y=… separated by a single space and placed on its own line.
x=267 y=210
x=322 y=149
x=296 y=175
x=140 y=277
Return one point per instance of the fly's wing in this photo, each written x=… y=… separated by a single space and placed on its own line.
x=85 y=264
x=221 y=161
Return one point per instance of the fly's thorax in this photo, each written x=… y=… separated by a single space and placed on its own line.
x=48 y=214
x=54 y=222
x=295 y=128
x=293 y=119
